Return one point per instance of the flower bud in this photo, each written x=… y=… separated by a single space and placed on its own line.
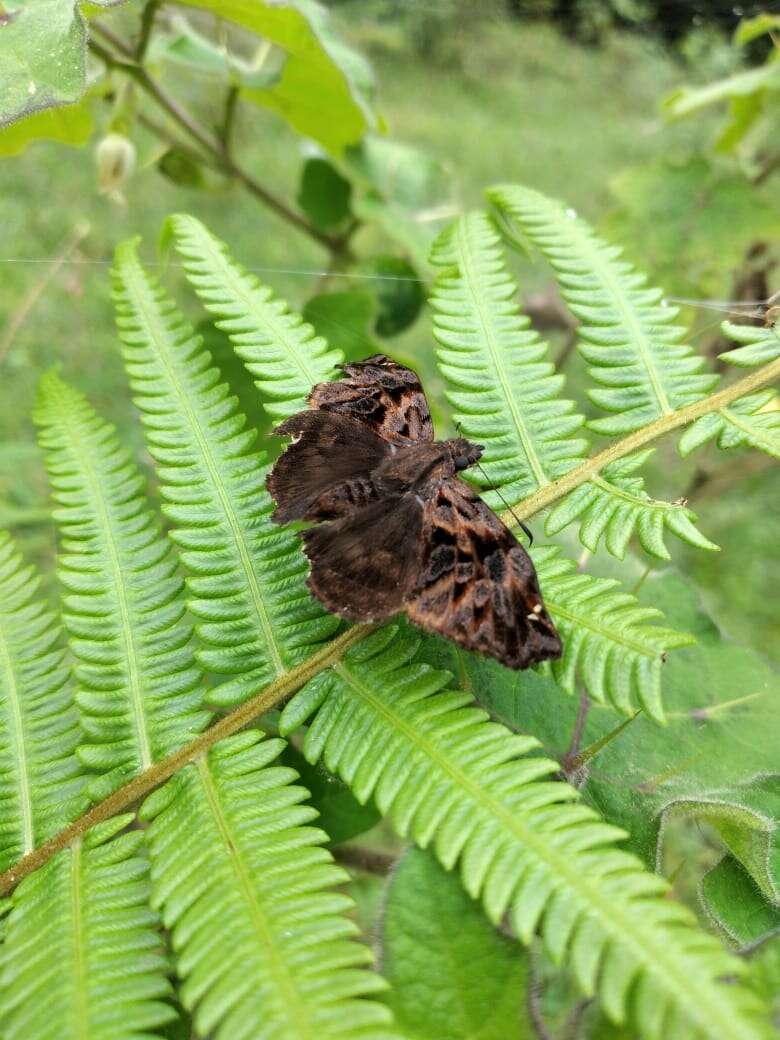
x=115 y=158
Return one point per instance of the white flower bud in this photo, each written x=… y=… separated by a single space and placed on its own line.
x=115 y=157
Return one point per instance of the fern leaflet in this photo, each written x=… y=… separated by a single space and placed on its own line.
x=607 y=643
x=246 y=581
x=451 y=779
x=752 y=421
x=82 y=957
x=40 y=778
x=248 y=892
x=139 y=688
x=277 y=346
x=636 y=353
x=507 y=396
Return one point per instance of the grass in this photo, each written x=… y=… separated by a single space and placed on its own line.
x=505 y=101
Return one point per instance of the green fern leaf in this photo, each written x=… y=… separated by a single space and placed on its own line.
x=607 y=643
x=246 y=581
x=40 y=778
x=614 y=505
x=505 y=392
x=139 y=688
x=453 y=780
x=636 y=353
x=759 y=345
x=507 y=396
x=82 y=957
x=752 y=421
x=280 y=350
x=247 y=890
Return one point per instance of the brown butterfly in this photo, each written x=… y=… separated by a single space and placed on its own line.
x=396 y=528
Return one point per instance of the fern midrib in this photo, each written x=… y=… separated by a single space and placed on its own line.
x=80 y=973
x=653 y=953
x=24 y=790
x=634 y=325
x=291 y=1001
x=106 y=527
x=635 y=500
x=585 y=621
x=219 y=262
x=469 y=282
x=225 y=501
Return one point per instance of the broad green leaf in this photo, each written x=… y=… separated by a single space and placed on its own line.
x=736 y=905
x=324 y=195
x=324 y=90
x=405 y=191
x=42 y=48
x=398 y=292
x=718 y=752
x=452 y=975
x=750 y=29
x=345 y=320
x=686 y=100
x=183 y=45
x=686 y=222
x=70 y=124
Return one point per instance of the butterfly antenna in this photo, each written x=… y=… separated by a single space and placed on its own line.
x=494 y=487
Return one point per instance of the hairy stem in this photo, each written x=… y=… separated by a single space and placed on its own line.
x=550 y=493
x=122 y=58
x=140 y=786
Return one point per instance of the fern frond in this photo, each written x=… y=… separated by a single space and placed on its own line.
x=139 y=690
x=607 y=643
x=503 y=388
x=614 y=505
x=451 y=779
x=40 y=781
x=759 y=345
x=247 y=891
x=246 y=581
x=508 y=397
x=82 y=956
x=636 y=352
x=752 y=421
x=281 y=351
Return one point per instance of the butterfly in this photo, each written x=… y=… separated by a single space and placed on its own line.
x=395 y=528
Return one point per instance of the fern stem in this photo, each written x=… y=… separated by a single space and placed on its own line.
x=550 y=493
x=144 y=783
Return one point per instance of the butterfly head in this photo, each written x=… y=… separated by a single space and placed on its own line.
x=463 y=452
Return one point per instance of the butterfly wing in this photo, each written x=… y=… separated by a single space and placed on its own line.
x=477 y=584
x=364 y=565
x=325 y=471
x=379 y=394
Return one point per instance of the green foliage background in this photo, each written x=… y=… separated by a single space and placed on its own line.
x=494 y=101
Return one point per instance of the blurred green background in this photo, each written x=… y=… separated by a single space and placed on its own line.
x=568 y=105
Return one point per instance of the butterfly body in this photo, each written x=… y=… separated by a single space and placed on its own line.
x=395 y=528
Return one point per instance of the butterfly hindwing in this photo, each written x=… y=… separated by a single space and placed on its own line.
x=477 y=584
x=364 y=565
x=382 y=395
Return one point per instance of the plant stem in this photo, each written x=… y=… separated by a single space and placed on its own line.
x=147 y=24
x=549 y=493
x=125 y=62
x=369 y=861
x=140 y=786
